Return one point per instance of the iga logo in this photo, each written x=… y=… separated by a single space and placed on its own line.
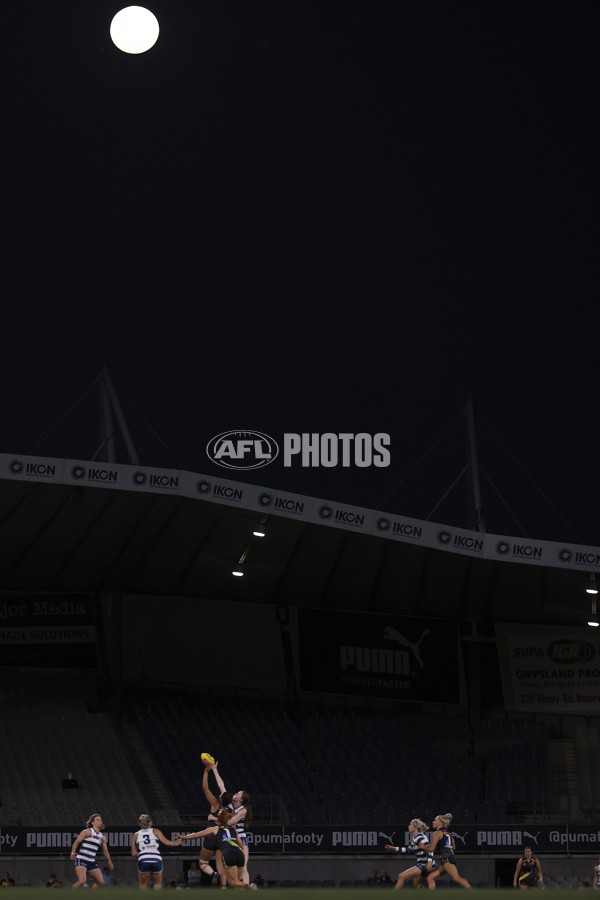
x=567 y=651
x=242 y=450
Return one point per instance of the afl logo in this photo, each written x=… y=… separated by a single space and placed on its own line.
x=242 y=450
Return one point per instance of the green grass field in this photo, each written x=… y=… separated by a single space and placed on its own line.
x=133 y=893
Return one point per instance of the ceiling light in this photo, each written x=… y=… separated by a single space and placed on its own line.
x=592 y=585
x=260 y=530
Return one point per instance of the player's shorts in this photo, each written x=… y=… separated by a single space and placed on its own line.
x=422 y=867
x=90 y=866
x=232 y=856
x=150 y=865
x=211 y=843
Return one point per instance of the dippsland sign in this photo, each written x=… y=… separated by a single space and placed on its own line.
x=549 y=668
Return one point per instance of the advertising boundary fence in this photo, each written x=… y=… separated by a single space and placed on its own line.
x=478 y=838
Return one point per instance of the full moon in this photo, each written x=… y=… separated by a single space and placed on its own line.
x=134 y=29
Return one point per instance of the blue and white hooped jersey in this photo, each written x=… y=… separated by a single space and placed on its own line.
x=415 y=845
x=240 y=823
x=89 y=846
x=148 y=846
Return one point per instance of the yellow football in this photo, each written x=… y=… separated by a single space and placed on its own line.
x=207 y=759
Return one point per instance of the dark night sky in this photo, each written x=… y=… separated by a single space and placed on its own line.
x=325 y=215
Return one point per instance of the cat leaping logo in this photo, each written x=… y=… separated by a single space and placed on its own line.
x=390 y=634
x=533 y=837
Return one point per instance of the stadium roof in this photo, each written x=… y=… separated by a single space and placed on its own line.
x=80 y=526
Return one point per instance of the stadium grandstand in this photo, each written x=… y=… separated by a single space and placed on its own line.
x=364 y=669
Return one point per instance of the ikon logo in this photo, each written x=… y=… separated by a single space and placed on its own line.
x=242 y=449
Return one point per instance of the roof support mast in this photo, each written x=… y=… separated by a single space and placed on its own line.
x=474 y=512
x=109 y=404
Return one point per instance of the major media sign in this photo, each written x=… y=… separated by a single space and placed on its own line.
x=488 y=840
x=47 y=630
x=255 y=450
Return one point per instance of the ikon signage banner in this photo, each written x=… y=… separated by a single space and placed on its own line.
x=362 y=450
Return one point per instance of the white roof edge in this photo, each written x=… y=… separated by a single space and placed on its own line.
x=311 y=510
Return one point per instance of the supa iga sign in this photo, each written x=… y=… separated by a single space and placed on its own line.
x=254 y=450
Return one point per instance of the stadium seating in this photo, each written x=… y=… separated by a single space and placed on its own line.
x=315 y=764
x=52 y=732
